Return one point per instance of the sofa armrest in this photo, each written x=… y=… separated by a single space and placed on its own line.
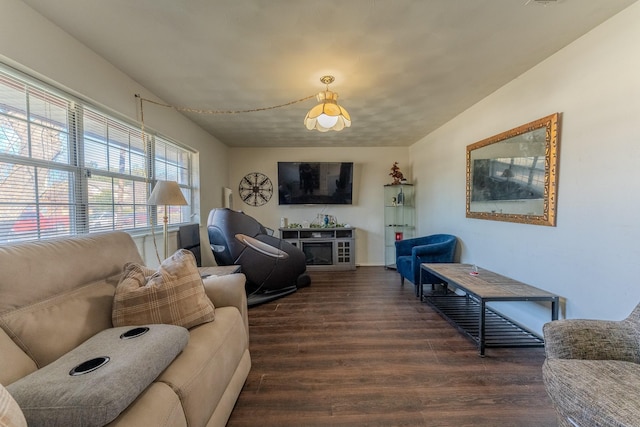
x=228 y=290
x=591 y=339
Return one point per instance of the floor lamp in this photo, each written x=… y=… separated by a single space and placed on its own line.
x=166 y=193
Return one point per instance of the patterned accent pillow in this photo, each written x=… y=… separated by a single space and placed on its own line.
x=174 y=294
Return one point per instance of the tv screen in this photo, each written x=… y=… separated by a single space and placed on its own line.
x=315 y=183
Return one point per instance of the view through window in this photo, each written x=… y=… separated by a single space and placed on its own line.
x=68 y=168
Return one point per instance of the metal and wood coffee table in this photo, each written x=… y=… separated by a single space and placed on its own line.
x=469 y=312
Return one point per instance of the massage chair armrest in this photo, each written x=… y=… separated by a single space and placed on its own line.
x=228 y=290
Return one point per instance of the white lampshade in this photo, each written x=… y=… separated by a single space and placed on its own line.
x=167 y=193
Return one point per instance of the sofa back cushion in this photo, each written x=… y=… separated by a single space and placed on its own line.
x=56 y=294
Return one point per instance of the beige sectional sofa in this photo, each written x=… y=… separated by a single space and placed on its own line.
x=57 y=294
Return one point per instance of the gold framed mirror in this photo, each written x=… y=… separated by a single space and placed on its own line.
x=513 y=176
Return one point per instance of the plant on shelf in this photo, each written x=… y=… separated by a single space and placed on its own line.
x=396 y=174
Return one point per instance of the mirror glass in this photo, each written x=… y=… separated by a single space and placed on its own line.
x=513 y=176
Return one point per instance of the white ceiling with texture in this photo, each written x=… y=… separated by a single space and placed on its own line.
x=403 y=67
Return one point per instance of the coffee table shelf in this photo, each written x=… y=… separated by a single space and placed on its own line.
x=467 y=308
x=500 y=331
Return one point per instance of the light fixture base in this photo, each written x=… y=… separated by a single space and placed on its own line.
x=327 y=79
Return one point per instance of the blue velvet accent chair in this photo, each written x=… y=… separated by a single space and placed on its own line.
x=410 y=253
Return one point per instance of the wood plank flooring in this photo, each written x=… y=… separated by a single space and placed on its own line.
x=357 y=349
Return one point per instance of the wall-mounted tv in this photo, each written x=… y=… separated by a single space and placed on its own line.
x=315 y=183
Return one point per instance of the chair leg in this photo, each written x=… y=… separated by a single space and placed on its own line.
x=401 y=280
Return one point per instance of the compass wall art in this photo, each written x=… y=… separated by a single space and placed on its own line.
x=255 y=189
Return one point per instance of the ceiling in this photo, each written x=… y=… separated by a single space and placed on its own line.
x=403 y=68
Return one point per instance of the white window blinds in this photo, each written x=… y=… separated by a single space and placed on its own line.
x=68 y=168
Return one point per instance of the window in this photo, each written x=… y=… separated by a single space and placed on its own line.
x=68 y=168
x=173 y=164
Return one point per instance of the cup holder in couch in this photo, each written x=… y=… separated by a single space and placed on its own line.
x=133 y=333
x=89 y=366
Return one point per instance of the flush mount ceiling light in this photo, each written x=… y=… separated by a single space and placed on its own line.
x=327 y=115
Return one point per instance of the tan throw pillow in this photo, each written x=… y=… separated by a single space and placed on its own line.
x=174 y=294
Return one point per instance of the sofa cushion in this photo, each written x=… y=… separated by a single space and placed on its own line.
x=48 y=329
x=34 y=271
x=10 y=413
x=174 y=294
x=53 y=396
x=57 y=293
x=202 y=372
x=157 y=406
x=594 y=392
x=14 y=363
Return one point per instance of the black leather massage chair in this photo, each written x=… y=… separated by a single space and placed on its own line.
x=273 y=267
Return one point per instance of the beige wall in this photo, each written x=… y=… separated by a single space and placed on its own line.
x=590 y=258
x=371 y=171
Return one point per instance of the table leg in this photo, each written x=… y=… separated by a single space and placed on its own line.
x=481 y=327
x=555 y=308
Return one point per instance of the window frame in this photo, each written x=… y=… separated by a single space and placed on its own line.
x=81 y=173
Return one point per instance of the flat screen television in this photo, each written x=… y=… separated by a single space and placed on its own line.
x=315 y=183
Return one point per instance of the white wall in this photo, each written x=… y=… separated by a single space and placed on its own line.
x=371 y=171
x=34 y=45
x=590 y=257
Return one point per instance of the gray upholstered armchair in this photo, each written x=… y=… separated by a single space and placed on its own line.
x=592 y=371
x=410 y=253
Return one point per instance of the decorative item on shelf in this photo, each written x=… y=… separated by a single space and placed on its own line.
x=327 y=115
x=394 y=201
x=400 y=198
x=166 y=193
x=399 y=235
x=324 y=221
x=396 y=174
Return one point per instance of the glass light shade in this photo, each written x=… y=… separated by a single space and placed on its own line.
x=327 y=121
x=327 y=115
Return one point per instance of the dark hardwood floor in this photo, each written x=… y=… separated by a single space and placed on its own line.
x=357 y=349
